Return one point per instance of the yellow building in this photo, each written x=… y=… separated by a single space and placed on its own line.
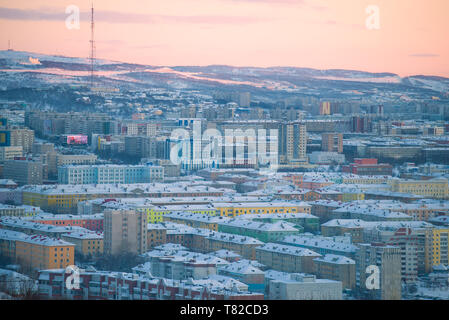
x=195 y=220
x=439 y=251
x=156 y=235
x=435 y=188
x=158 y=213
x=41 y=252
x=15 y=211
x=65 y=198
x=61 y=203
x=233 y=210
x=155 y=214
x=86 y=243
x=352 y=196
x=356 y=179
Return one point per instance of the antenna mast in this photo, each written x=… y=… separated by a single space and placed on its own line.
x=92 y=47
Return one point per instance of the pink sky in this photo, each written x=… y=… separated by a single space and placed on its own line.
x=323 y=34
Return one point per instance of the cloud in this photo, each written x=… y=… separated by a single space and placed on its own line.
x=52 y=14
x=34 y=15
x=304 y=3
x=424 y=55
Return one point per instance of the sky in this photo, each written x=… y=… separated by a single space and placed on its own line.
x=409 y=37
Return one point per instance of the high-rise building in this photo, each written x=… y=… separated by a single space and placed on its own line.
x=292 y=142
x=332 y=142
x=388 y=261
x=325 y=108
x=24 y=171
x=9 y=153
x=439 y=248
x=125 y=231
x=141 y=146
x=43 y=148
x=413 y=242
x=22 y=137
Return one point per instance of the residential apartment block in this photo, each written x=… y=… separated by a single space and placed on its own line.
x=125 y=231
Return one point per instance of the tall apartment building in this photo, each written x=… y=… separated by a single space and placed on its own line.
x=325 y=108
x=139 y=129
x=292 y=142
x=125 y=231
x=43 y=148
x=106 y=174
x=141 y=146
x=23 y=137
x=332 y=142
x=414 y=243
x=9 y=153
x=388 y=259
x=52 y=123
x=243 y=99
x=439 y=247
x=24 y=171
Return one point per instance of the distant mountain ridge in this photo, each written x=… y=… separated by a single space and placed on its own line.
x=337 y=83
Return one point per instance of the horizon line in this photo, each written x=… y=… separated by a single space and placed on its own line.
x=227 y=65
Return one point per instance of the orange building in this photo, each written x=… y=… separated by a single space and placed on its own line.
x=91 y=222
x=310 y=183
x=41 y=252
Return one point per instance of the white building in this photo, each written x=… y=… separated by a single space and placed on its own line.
x=318 y=157
x=296 y=286
x=105 y=174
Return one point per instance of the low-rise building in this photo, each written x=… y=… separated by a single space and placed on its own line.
x=338 y=268
x=434 y=188
x=87 y=244
x=107 y=285
x=286 y=258
x=263 y=231
x=294 y=286
x=39 y=252
x=156 y=235
x=246 y=272
x=323 y=245
x=106 y=174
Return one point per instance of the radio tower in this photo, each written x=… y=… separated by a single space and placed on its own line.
x=92 y=47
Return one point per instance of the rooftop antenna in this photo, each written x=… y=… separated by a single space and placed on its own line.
x=92 y=46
